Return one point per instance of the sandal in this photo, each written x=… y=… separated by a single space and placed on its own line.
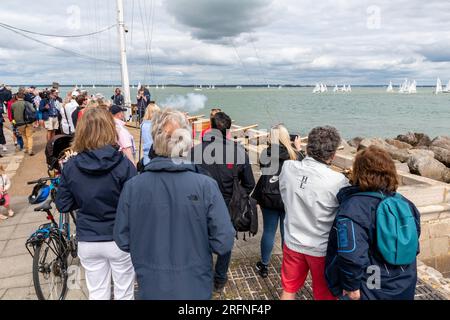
x=2 y=217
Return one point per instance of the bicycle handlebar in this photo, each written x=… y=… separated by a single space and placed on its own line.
x=40 y=180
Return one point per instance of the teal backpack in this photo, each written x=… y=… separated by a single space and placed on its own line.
x=396 y=230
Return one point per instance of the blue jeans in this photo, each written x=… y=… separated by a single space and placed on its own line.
x=221 y=268
x=270 y=219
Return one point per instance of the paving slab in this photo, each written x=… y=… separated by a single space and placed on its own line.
x=22 y=281
x=6 y=231
x=14 y=247
x=15 y=266
x=19 y=294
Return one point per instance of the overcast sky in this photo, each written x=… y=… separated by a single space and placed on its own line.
x=229 y=41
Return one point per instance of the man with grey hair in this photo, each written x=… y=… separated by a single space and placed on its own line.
x=171 y=218
x=308 y=189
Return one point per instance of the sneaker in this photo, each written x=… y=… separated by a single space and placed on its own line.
x=219 y=285
x=31 y=153
x=10 y=213
x=2 y=217
x=262 y=269
x=4 y=148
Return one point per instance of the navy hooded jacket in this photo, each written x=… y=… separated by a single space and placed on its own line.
x=353 y=258
x=92 y=182
x=171 y=219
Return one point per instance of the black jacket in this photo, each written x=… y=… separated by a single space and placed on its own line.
x=225 y=154
x=92 y=182
x=5 y=95
x=267 y=191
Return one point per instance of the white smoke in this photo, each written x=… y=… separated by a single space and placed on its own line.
x=191 y=102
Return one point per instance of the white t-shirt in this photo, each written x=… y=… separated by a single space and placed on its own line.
x=67 y=122
x=308 y=189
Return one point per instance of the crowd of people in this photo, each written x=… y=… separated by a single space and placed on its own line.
x=162 y=224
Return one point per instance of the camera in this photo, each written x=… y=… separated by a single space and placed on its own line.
x=44 y=94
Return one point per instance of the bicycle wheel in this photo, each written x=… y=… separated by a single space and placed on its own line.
x=50 y=270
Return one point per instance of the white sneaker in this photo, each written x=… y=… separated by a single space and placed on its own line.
x=4 y=148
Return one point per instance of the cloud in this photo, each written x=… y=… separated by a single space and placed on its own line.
x=218 y=20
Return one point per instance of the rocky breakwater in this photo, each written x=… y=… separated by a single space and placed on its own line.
x=415 y=152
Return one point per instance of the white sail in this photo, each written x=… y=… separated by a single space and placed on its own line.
x=157 y=87
x=336 y=88
x=390 y=88
x=413 y=87
x=344 y=88
x=438 y=86
x=280 y=87
x=404 y=88
x=447 y=87
x=349 y=88
x=316 y=88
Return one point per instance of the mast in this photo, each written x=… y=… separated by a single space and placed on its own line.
x=123 y=59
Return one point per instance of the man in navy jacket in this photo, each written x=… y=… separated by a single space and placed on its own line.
x=171 y=219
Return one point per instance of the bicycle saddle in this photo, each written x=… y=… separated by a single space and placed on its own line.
x=45 y=206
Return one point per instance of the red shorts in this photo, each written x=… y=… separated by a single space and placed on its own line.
x=6 y=196
x=295 y=269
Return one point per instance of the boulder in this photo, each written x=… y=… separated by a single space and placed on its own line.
x=427 y=166
x=396 y=153
x=422 y=140
x=399 y=144
x=441 y=142
x=442 y=155
x=402 y=167
x=421 y=152
x=346 y=148
x=415 y=139
x=409 y=138
x=355 y=142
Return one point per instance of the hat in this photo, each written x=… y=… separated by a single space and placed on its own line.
x=116 y=109
x=75 y=93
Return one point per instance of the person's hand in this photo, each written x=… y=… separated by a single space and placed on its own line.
x=298 y=143
x=353 y=295
x=47 y=106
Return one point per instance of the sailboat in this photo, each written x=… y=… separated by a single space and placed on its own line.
x=157 y=87
x=199 y=88
x=390 y=88
x=349 y=88
x=447 y=88
x=239 y=87
x=413 y=87
x=438 y=86
x=404 y=87
x=280 y=87
x=93 y=86
x=316 y=88
x=344 y=88
x=336 y=88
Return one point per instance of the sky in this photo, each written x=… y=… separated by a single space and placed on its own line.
x=244 y=42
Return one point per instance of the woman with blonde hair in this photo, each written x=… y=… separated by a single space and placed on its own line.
x=146 y=130
x=267 y=191
x=91 y=182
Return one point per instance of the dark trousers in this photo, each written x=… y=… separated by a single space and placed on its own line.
x=221 y=268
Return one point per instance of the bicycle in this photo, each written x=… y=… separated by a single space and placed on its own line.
x=50 y=246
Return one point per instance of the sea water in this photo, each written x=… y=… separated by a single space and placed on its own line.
x=365 y=112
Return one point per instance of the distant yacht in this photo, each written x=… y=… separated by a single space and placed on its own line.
x=349 y=88
x=238 y=87
x=412 y=87
x=280 y=87
x=157 y=87
x=316 y=88
x=438 y=86
x=447 y=88
x=199 y=88
x=390 y=88
x=336 y=88
x=93 y=86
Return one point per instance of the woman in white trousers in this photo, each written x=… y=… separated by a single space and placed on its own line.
x=91 y=183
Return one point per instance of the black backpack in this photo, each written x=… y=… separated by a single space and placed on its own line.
x=242 y=208
x=29 y=114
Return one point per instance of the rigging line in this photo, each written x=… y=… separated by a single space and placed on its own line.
x=132 y=23
x=55 y=35
x=151 y=41
x=146 y=40
x=242 y=63
x=80 y=55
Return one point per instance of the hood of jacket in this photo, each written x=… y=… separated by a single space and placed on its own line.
x=160 y=164
x=100 y=161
